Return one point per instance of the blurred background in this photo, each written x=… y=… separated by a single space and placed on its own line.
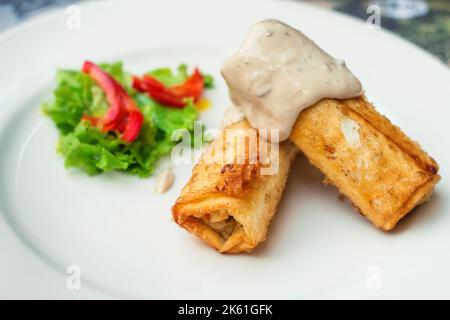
x=424 y=22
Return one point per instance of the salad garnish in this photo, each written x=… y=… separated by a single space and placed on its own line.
x=106 y=124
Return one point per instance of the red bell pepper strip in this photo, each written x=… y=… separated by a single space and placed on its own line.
x=157 y=91
x=192 y=87
x=110 y=88
x=133 y=126
x=123 y=115
x=134 y=122
x=173 y=96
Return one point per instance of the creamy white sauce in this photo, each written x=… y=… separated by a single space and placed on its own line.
x=278 y=72
x=164 y=181
x=232 y=115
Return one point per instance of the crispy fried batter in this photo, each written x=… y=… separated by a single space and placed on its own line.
x=229 y=204
x=383 y=172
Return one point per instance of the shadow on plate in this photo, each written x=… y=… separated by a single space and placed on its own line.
x=302 y=175
x=420 y=215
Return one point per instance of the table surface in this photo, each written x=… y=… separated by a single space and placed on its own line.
x=424 y=22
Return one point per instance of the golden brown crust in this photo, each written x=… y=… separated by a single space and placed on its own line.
x=366 y=110
x=240 y=189
x=221 y=176
x=383 y=172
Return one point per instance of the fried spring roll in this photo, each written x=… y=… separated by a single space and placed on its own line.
x=229 y=204
x=383 y=172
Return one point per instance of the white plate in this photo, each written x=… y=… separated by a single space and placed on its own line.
x=120 y=233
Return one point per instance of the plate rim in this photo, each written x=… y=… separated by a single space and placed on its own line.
x=20 y=28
